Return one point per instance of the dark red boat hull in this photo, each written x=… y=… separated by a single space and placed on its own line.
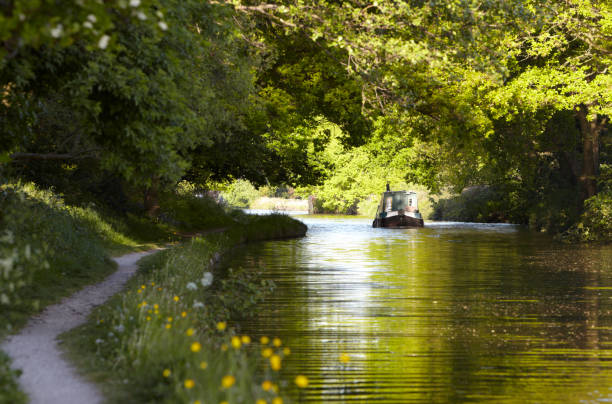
x=398 y=222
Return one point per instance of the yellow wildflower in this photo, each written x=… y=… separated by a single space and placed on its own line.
x=148 y=318
x=287 y=351
x=184 y=314
x=221 y=325
x=236 y=342
x=246 y=340
x=156 y=306
x=197 y=402
x=169 y=319
x=345 y=358
x=266 y=385
x=176 y=298
x=166 y=373
x=223 y=402
x=143 y=287
x=203 y=365
x=168 y=326
x=264 y=340
x=275 y=388
x=139 y=290
x=277 y=342
x=267 y=352
x=261 y=401
x=275 y=362
x=277 y=400
x=189 y=332
x=152 y=283
x=228 y=381
x=159 y=289
x=189 y=383
x=301 y=381
x=196 y=347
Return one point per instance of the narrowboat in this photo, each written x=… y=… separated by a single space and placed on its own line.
x=398 y=210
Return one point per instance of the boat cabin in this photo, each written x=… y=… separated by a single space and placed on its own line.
x=399 y=200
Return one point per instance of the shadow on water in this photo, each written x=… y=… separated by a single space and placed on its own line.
x=453 y=312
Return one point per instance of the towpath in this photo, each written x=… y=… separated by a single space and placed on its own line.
x=47 y=377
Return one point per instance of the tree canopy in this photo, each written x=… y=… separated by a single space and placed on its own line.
x=507 y=93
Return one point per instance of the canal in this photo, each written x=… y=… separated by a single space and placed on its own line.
x=452 y=312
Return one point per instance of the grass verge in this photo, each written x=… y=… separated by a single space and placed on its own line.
x=50 y=249
x=166 y=338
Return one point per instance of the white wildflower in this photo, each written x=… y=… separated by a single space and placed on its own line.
x=88 y=25
x=141 y=16
x=159 y=14
x=198 y=305
x=120 y=328
x=92 y=18
x=207 y=279
x=103 y=42
x=191 y=286
x=134 y=3
x=99 y=341
x=57 y=31
x=110 y=335
x=162 y=25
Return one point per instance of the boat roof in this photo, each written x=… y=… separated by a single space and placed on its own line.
x=399 y=192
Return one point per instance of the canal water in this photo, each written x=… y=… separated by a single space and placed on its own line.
x=452 y=312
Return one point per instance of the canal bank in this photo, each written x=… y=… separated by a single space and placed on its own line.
x=168 y=337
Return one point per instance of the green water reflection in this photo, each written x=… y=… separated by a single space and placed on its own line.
x=448 y=313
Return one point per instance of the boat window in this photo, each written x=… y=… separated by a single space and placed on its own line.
x=389 y=204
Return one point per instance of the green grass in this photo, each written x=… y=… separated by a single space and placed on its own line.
x=150 y=342
x=50 y=249
x=9 y=389
x=268 y=203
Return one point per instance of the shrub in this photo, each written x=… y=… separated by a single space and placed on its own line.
x=240 y=194
x=190 y=212
x=595 y=224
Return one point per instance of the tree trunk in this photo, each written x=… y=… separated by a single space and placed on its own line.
x=589 y=130
x=151 y=198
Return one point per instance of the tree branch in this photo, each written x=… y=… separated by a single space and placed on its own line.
x=50 y=156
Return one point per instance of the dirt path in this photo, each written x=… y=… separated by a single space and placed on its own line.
x=47 y=377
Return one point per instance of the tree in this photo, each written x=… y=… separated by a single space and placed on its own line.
x=140 y=108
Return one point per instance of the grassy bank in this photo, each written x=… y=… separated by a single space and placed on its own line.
x=167 y=337
x=49 y=248
x=283 y=204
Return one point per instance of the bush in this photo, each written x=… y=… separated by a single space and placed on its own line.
x=240 y=194
x=595 y=224
x=476 y=204
x=190 y=212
